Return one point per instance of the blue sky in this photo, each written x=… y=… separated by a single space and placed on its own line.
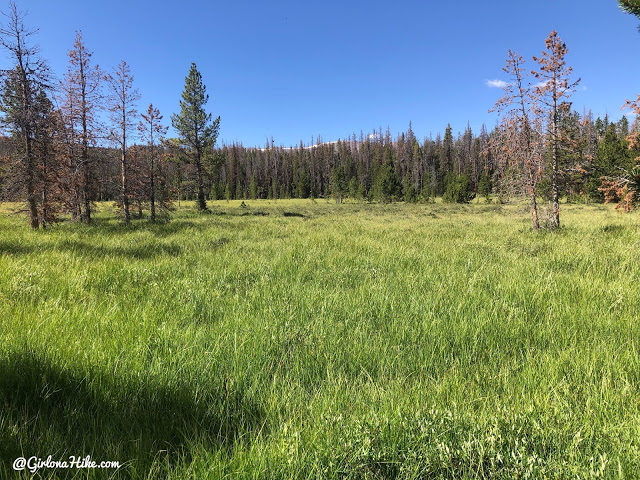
x=293 y=70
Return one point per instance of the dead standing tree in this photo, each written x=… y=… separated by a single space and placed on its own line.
x=80 y=103
x=22 y=83
x=49 y=155
x=551 y=96
x=122 y=106
x=151 y=130
x=518 y=139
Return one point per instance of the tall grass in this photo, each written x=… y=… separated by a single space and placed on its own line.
x=294 y=339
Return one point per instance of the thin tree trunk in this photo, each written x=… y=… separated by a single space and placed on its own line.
x=554 y=190
x=31 y=200
x=125 y=197
x=202 y=202
x=86 y=215
x=45 y=212
x=85 y=148
x=31 y=196
x=554 y=178
x=153 y=191
x=534 y=209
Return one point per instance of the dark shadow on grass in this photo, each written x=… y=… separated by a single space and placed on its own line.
x=612 y=229
x=160 y=229
x=11 y=248
x=142 y=251
x=257 y=213
x=47 y=409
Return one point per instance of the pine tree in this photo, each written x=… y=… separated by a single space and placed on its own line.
x=612 y=158
x=151 y=130
x=517 y=130
x=409 y=191
x=197 y=132
x=387 y=184
x=80 y=100
x=50 y=170
x=122 y=105
x=253 y=189
x=446 y=162
x=630 y=6
x=337 y=183
x=552 y=95
x=28 y=76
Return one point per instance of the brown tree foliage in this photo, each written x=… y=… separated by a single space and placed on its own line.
x=151 y=131
x=22 y=85
x=552 y=95
x=518 y=144
x=80 y=103
x=123 y=113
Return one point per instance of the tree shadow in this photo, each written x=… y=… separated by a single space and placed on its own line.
x=104 y=229
x=160 y=229
x=47 y=409
x=11 y=248
x=141 y=251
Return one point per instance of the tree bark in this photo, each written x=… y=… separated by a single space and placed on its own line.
x=202 y=202
x=125 y=196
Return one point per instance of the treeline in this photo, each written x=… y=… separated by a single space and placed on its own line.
x=81 y=140
x=377 y=167
x=371 y=167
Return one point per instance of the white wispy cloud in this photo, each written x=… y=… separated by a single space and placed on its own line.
x=496 y=83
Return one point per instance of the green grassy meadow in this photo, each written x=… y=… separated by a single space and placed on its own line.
x=309 y=340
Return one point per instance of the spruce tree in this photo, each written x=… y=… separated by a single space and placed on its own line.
x=195 y=129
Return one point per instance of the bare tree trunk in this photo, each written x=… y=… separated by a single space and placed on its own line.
x=76 y=212
x=153 y=191
x=202 y=202
x=31 y=197
x=554 y=177
x=125 y=196
x=85 y=149
x=85 y=215
x=534 y=208
x=45 y=207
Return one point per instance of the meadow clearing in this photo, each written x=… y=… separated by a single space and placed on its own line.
x=301 y=339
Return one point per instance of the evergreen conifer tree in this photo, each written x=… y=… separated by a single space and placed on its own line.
x=197 y=132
